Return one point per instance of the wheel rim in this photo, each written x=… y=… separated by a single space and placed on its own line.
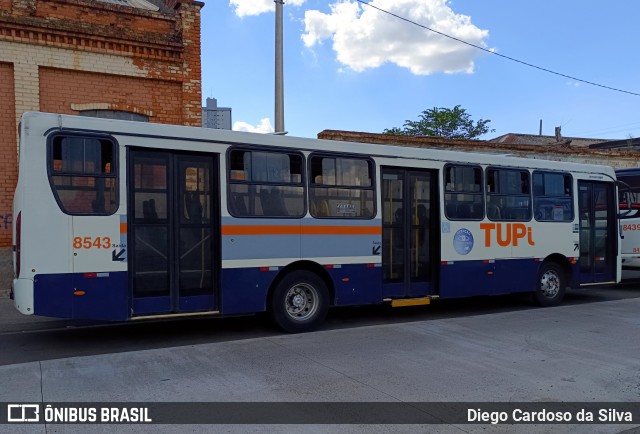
x=301 y=302
x=550 y=284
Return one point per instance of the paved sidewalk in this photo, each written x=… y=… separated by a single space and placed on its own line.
x=6 y=270
x=586 y=352
x=12 y=320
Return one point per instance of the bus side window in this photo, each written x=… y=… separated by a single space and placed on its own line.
x=465 y=211
x=452 y=209
x=265 y=184
x=341 y=187
x=82 y=174
x=552 y=196
x=509 y=194
x=464 y=198
x=272 y=203
x=237 y=205
x=493 y=211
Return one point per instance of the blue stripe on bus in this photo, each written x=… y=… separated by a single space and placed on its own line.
x=245 y=289
x=469 y=278
x=105 y=297
x=364 y=285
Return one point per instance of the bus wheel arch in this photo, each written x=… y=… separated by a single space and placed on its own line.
x=552 y=280
x=300 y=296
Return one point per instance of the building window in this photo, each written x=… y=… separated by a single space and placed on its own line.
x=265 y=184
x=83 y=174
x=463 y=197
x=114 y=114
x=341 y=187
x=553 y=196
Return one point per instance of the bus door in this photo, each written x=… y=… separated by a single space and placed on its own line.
x=173 y=228
x=597 y=232
x=410 y=239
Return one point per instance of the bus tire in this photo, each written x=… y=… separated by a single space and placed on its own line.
x=299 y=302
x=550 y=286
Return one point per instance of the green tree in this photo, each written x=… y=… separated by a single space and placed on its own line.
x=453 y=123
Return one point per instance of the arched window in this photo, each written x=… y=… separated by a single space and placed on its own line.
x=115 y=114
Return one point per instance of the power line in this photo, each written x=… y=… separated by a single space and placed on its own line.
x=495 y=53
x=610 y=131
x=617 y=128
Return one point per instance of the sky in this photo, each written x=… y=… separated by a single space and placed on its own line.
x=348 y=66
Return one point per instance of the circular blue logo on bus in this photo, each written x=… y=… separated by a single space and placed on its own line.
x=463 y=241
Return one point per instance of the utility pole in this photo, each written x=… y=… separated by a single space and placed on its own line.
x=279 y=91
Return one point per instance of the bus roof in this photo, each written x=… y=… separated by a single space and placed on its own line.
x=199 y=134
x=628 y=171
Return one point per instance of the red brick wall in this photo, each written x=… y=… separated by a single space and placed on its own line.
x=105 y=14
x=163 y=46
x=59 y=88
x=8 y=151
x=190 y=23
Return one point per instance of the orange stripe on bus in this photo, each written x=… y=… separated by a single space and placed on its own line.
x=123 y=228
x=297 y=230
x=341 y=230
x=260 y=230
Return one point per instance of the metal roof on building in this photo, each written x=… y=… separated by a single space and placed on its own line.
x=138 y=4
x=624 y=144
x=534 y=139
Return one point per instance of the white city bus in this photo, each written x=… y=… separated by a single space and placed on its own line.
x=629 y=197
x=118 y=220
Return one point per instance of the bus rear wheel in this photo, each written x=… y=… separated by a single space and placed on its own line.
x=550 y=286
x=299 y=302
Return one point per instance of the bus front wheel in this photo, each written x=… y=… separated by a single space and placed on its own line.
x=299 y=302
x=550 y=286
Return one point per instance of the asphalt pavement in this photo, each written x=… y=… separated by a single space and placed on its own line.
x=585 y=352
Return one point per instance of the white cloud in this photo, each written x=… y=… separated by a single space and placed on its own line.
x=264 y=127
x=256 y=7
x=364 y=37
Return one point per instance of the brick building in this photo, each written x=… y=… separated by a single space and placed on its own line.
x=133 y=59
x=617 y=157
